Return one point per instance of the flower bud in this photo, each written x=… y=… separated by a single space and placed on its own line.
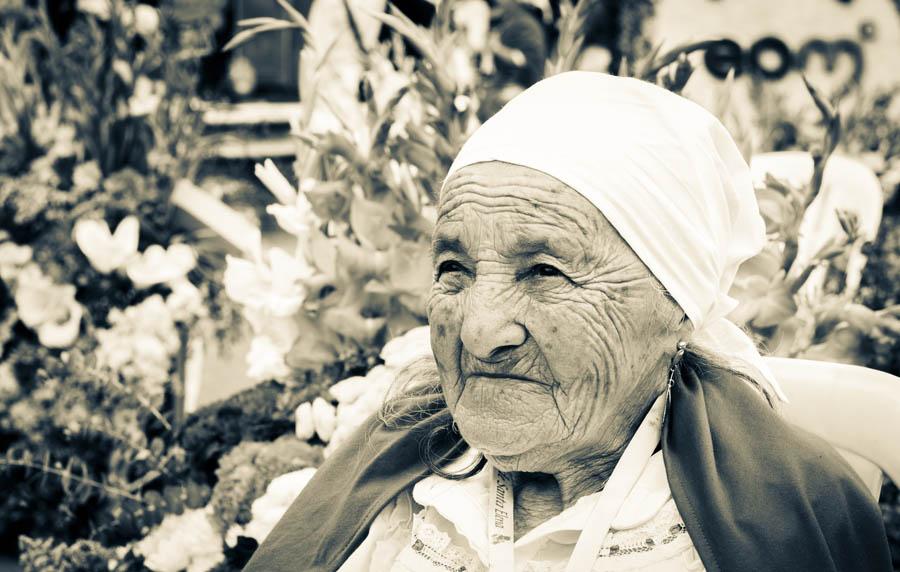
x=304 y=426
x=324 y=418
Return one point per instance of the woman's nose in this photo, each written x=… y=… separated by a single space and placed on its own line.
x=489 y=327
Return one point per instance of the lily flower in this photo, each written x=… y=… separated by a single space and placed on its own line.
x=158 y=265
x=105 y=250
x=273 y=339
x=265 y=360
x=293 y=212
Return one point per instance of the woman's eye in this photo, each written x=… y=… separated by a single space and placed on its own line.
x=449 y=266
x=545 y=270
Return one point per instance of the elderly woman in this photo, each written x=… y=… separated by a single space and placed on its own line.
x=589 y=406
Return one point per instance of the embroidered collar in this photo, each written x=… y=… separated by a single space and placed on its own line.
x=465 y=505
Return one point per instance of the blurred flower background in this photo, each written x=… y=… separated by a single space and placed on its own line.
x=215 y=219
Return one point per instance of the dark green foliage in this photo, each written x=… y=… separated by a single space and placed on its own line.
x=46 y=555
x=246 y=471
x=881 y=288
x=262 y=413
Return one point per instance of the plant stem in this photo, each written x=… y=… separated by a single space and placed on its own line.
x=68 y=475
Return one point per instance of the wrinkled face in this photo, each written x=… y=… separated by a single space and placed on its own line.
x=551 y=336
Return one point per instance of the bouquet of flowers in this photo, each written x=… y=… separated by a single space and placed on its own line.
x=369 y=171
x=105 y=299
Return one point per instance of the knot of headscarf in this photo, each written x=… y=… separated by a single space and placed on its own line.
x=664 y=172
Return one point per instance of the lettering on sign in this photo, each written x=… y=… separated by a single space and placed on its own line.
x=839 y=45
x=771 y=58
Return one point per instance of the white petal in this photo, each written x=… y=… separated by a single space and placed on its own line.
x=289 y=218
x=62 y=335
x=181 y=257
x=304 y=426
x=277 y=184
x=127 y=234
x=95 y=241
x=265 y=361
x=242 y=284
x=324 y=418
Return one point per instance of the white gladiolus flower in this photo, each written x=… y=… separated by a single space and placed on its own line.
x=277 y=183
x=268 y=509
x=293 y=212
x=296 y=219
x=140 y=345
x=182 y=542
x=272 y=286
x=347 y=390
x=265 y=360
x=185 y=302
x=461 y=68
x=358 y=398
x=282 y=331
x=304 y=426
x=105 y=250
x=473 y=16
x=403 y=350
x=158 y=265
x=323 y=418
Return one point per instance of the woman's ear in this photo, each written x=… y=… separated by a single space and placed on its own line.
x=677 y=323
x=685 y=327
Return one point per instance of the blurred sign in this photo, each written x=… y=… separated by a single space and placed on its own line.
x=836 y=43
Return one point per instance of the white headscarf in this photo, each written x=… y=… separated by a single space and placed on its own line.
x=664 y=172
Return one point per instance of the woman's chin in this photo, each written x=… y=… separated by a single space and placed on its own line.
x=496 y=443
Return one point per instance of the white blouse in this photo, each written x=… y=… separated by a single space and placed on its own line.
x=442 y=525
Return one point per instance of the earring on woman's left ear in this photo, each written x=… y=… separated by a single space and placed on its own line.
x=676 y=361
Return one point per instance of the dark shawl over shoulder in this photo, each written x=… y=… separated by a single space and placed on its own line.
x=755 y=493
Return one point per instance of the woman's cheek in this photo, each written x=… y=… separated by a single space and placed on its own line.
x=564 y=337
x=444 y=319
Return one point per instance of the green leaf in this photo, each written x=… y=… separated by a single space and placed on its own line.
x=776 y=306
x=843 y=345
x=765 y=264
x=354 y=28
x=860 y=317
x=371 y=223
x=355 y=261
x=260 y=21
x=330 y=200
x=295 y=14
x=349 y=322
x=312 y=350
x=416 y=35
x=410 y=269
x=245 y=35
